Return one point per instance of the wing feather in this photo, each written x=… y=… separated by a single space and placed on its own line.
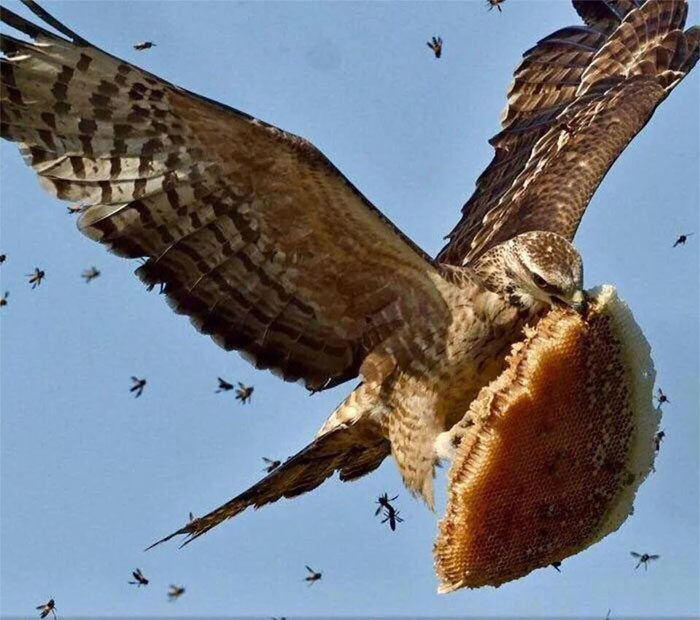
x=248 y=230
x=578 y=98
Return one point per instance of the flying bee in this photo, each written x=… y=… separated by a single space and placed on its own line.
x=47 y=608
x=644 y=558
x=192 y=518
x=312 y=576
x=244 y=393
x=144 y=45
x=140 y=580
x=271 y=465
x=36 y=277
x=90 y=274
x=175 y=592
x=661 y=398
x=658 y=438
x=495 y=3
x=682 y=239
x=3 y=299
x=138 y=386
x=73 y=209
x=224 y=386
x=435 y=44
x=391 y=514
x=3 y=258
x=555 y=566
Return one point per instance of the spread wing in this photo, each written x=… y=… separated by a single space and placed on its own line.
x=250 y=231
x=578 y=98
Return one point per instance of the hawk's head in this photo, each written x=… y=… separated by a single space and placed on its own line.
x=536 y=267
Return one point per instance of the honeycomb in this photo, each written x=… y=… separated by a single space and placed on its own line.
x=556 y=448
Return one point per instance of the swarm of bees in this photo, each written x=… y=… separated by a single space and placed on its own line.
x=144 y=45
x=313 y=576
x=36 y=277
x=90 y=274
x=138 y=385
x=682 y=239
x=436 y=45
x=47 y=608
x=175 y=592
x=644 y=558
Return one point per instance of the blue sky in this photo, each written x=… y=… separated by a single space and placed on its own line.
x=90 y=475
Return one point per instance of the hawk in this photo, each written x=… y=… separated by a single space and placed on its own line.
x=256 y=236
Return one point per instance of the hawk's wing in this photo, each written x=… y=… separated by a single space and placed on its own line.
x=577 y=99
x=250 y=231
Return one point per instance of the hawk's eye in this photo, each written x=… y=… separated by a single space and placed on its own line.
x=539 y=280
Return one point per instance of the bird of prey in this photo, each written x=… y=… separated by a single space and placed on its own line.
x=313 y=576
x=139 y=579
x=270 y=465
x=175 y=592
x=644 y=558
x=682 y=239
x=47 y=608
x=144 y=45
x=36 y=277
x=138 y=385
x=256 y=236
x=495 y=3
x=90 y=274
x=224 y=386
x=244 y=393
x=3 y=299
x=435 y=44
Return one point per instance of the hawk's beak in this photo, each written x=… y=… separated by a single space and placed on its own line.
x=579 y=303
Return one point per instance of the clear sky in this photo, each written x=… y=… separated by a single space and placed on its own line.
x=90 y=476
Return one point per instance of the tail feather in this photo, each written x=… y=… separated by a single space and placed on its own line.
x=352 y=449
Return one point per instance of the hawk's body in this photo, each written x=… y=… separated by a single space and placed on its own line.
x=267 y=247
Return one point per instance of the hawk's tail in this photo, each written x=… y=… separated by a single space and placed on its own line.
x=353 y=449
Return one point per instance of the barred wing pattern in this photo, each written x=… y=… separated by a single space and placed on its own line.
x=249 y=230
x=578 y=98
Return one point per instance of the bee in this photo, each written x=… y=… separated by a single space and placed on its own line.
x=47 y=608
x=175 y=592
x=73 y=209
x=3 y=258
x=244 y=393
x=3 y=299
x=436 y=45
x=138 y=386
x=658 y=438
x=90 y=274
x=644 y=558
x=661 y=398
x=224 y=386
x=391 y=514
x=312 y=576
x=144 y=45
x=271 y=465
x=555 y=566
x=36 y=277
x=682 y=239
x=495 y=3
x=140 y=580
